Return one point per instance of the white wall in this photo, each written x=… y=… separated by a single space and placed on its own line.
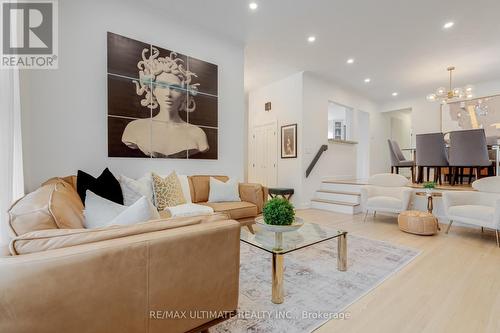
x=426 y=116
x=286 y=99
x=340 y=160
x=304 y=99
x=64 y=110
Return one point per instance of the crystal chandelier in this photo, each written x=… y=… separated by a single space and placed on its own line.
x=444 y=95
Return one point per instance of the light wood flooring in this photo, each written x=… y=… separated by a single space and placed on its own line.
x=452 y=286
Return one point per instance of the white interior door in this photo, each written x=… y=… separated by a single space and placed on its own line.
x=264 y=155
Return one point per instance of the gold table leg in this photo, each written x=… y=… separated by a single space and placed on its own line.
x=342 y=252
x=278 y=292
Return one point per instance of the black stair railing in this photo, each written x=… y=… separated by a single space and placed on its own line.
x=321 y=150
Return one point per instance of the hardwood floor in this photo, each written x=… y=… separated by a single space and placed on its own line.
x=452 y=286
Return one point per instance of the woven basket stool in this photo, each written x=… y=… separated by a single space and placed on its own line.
x=417 y=222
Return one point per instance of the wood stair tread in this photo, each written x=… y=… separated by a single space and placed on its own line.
x=339 y=192
x=346 y=182
x=335 y=202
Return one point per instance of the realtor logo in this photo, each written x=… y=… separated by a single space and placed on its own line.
x=29 y=34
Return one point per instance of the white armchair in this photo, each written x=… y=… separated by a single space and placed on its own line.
x=479 y=208
x=386 y=192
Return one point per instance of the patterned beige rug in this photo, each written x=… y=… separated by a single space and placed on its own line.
x=315 y=291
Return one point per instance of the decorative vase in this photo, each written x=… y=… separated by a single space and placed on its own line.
x=279 y=229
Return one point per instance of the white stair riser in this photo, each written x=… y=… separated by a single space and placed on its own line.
x=350 y=198
x=336 y=207
x=337 y=187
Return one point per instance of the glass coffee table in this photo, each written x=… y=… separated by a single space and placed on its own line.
x=279 y=244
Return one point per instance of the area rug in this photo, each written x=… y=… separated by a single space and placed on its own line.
x=315 y=291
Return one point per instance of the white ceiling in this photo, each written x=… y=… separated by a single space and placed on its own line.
x=399 y=44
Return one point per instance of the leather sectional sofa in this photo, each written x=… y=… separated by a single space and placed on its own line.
x=167 y=275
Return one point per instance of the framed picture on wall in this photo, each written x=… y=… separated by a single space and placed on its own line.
x=289 y=141
x=473 y=113
x=161 y=104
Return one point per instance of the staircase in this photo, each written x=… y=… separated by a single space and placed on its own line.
x=339 y=196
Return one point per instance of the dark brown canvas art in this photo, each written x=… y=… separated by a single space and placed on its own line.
x=161 y=104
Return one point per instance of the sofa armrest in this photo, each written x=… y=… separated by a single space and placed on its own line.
x=496 y=217
x=119 y=285
x=253 y=193
x=366 y=193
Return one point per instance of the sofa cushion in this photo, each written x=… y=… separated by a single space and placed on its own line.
x=189 y=209
x=474 y=212
x=100 y=212
x=235 y=210
x=44 y=240
x=200 y=187
x=220 y=191
x=167 y=191
x=66 y=206
x=384 y=202
x=186 y=190
x=106 y=186
x=133 y=190
x=56 y=204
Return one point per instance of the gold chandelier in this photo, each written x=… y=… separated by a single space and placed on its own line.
x=444 y=95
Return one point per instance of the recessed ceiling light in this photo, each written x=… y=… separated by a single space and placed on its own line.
x=253 y=5
x=395 y=94
x=367 y=80
x=311 y=39
x=350 y=61
x=448 y=25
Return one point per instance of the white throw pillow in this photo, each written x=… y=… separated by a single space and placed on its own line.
x=133 y=189
x=140 y=211
x=189 y=209
x=223 y=192
x=100 y=212
x=183 y=179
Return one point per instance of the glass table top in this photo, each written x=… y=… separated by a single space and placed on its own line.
x=309 y=234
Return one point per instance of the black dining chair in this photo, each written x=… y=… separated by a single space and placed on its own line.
x=468 y=149
x=431 y=154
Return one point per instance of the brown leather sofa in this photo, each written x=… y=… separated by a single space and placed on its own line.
x=167 y=275
x=253 y=197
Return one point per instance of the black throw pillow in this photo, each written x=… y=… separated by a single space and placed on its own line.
x=106 y=186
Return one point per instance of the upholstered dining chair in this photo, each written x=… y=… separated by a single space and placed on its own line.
x=478 y=208
x=431 y=153
x=468 y=149
x=398 y=160
x=386 y=192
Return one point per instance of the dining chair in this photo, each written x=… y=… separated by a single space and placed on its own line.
x=468 y=149
x=431 y=154
x=398 y=160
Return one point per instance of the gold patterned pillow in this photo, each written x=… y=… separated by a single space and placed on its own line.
x=167 y=191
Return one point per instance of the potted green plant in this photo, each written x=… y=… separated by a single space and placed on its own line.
x=278 y=215
x=429 y=187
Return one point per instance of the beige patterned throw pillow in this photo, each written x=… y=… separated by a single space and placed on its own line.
x=167 y=191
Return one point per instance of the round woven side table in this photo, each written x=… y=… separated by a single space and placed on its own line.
x=418 y=223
